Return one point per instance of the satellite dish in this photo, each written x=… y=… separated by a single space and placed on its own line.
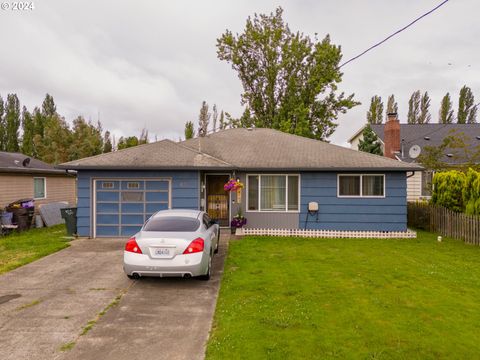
x=414 y=151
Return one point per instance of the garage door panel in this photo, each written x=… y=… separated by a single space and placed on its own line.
x=122 y=206
x=157 y=196
x=107 y=208
x=107 y=231
x=132 y=219
x=107 y=196
x=129 y=230
x=157 y=185
x=154 y=207
x=133 y=208
x=107 y=219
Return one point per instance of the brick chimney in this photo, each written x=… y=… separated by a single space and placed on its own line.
x=392 y=135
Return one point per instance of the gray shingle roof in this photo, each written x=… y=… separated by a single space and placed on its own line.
x=432 y=135
x=14 y=162
x=242 y=149
x=164 y=154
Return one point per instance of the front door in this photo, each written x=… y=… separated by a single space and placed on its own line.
x=217 y=198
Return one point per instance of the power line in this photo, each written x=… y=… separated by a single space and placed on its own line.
x=395 y=33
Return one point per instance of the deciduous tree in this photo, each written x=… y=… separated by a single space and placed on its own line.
x=28 y=128
x=375 y=113
x=424 y=116
x=392 y=106
x=414 y=108
x=189 y=130
x=445 y=114
x=290 y=81
x=467 y=110
x=203 y=119
x=12 y=122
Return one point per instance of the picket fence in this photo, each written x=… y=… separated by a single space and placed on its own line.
x=409 y=234
x=445 y=222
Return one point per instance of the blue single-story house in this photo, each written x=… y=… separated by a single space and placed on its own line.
x=282 y=174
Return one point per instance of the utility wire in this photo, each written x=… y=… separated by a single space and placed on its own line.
x=395 y=33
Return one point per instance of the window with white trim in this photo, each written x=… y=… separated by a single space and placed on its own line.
x=273 y=193
x=362 y=185
x=39 y=188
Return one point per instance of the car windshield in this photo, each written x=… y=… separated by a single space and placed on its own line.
x=172 y=223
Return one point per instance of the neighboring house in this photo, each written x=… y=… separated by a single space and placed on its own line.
x=282 y=173
x=25 y=177
x=408 y=141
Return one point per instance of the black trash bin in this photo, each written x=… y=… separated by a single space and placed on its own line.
x=23 y=211
x=70 y=216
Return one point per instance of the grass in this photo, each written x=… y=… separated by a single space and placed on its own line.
x=18 y=249
x=30 y=304
x=67 y=346
x=91 y=323
x=293 y=298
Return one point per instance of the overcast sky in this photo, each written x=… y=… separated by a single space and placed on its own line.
x=152 y=63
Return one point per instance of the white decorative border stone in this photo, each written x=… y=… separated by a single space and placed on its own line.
x=409 y=234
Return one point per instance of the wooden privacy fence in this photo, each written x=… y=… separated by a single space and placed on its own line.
x=445 y=222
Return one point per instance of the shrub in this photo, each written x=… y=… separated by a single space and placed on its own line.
x=448 y=189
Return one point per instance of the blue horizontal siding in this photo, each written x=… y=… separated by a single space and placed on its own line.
x=185 y=190
x=379 y=214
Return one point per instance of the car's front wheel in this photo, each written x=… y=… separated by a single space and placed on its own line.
x=218 y=242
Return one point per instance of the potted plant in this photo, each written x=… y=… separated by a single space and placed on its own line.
x=238 y=221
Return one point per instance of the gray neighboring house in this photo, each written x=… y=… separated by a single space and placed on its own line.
x=281 y=172
x=417 y=136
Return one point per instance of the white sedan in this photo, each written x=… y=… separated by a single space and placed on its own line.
x=173 y=243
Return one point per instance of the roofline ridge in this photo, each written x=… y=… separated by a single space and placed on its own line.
x=203 y=153
x=117 y=151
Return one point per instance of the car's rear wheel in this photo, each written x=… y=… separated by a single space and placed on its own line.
x=207 y=276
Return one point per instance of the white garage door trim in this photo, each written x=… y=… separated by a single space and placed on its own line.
x=94 y=194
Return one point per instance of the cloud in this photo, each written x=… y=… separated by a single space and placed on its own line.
x=151 y=63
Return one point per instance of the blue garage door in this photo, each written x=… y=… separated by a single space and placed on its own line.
x=123 y=206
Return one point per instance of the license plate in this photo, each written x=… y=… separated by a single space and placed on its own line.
x=163 y=252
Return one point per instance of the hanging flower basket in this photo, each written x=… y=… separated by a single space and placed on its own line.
x=233 y=185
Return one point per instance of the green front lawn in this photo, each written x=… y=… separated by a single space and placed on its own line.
x=18 y=249
x=292 y=298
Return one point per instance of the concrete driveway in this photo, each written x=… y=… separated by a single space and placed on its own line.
x=46 y=306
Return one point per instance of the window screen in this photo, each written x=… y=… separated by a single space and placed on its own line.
x=39 y=188
x=349 y=185
x=372 y=185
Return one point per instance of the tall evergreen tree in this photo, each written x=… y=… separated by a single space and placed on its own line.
x=467 y=110
x=375 y=113
x=392 y=106
x=3 y=126
x=424 y=117
x=12 y=121
x=222 y=122
x=445 y=114
x=203 y=119
x=189 y=130
x=370 y=142
x=39 y=122
x=28 y=128
x=414 y=108
x=290 y=81
x=107 y=142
